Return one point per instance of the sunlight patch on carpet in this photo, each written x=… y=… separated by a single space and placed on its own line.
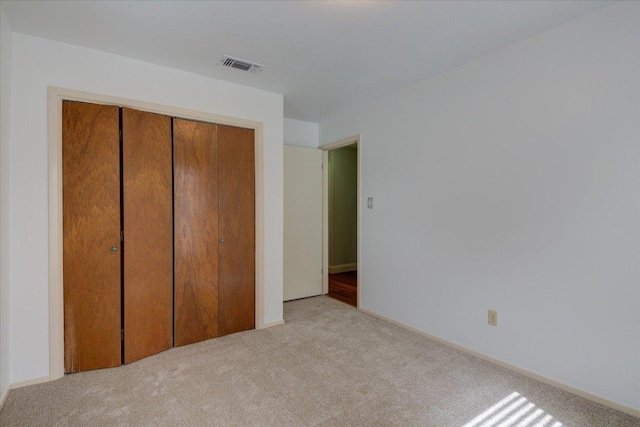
x=514 y=411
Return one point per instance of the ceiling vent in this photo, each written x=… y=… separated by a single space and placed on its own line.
x=241 y=64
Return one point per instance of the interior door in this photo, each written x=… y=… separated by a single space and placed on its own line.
x=195 y=163
x=91 y=236
x=237 y=262
x=302 y=222
x=148 y=233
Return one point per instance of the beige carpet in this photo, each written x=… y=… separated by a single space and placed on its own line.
x=329 y=365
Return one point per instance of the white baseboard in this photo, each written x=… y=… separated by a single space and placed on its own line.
x=271 y=324
x=31 y=381
x=343 y=268
x=4 y=397
x=557 y=384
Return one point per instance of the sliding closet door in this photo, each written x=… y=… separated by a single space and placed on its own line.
x=148 y=234
x=91 y=235
x=195 y=163
x=236 y=172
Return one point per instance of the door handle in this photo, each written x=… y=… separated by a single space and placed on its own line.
x=221 y=240
x=114 y=249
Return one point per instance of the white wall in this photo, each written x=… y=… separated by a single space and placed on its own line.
x=5 y=90
x=301 y=134
x=38 y=63
x=513 y=183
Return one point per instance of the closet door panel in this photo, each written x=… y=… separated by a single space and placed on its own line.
x=91 y=227
x=236 y=172
x=196 y=231
x=148 y=234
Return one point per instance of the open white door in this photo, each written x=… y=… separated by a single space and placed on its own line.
x=302 y=222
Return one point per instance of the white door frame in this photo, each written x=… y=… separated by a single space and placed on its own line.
x=325 y=210
x=56 y=296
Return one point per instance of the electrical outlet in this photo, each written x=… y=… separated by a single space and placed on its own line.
x=493 y=318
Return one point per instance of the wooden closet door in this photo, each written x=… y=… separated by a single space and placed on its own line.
x=236 y=173
x=148 y=234
x=195 y=163
x=91 y=228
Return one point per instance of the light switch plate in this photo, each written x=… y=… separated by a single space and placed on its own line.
x=493 y=318
x=370 y=202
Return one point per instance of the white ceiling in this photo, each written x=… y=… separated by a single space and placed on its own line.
x=325 y=57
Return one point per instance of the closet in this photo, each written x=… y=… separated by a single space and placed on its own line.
x=158 y=233
x=214 y=229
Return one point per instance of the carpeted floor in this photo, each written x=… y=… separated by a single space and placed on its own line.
x=329 y=365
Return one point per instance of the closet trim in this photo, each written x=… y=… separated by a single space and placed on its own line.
x=54 y=135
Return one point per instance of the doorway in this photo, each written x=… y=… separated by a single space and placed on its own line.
x=342 y=220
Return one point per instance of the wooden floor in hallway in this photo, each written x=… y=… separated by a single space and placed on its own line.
x=344 y=287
